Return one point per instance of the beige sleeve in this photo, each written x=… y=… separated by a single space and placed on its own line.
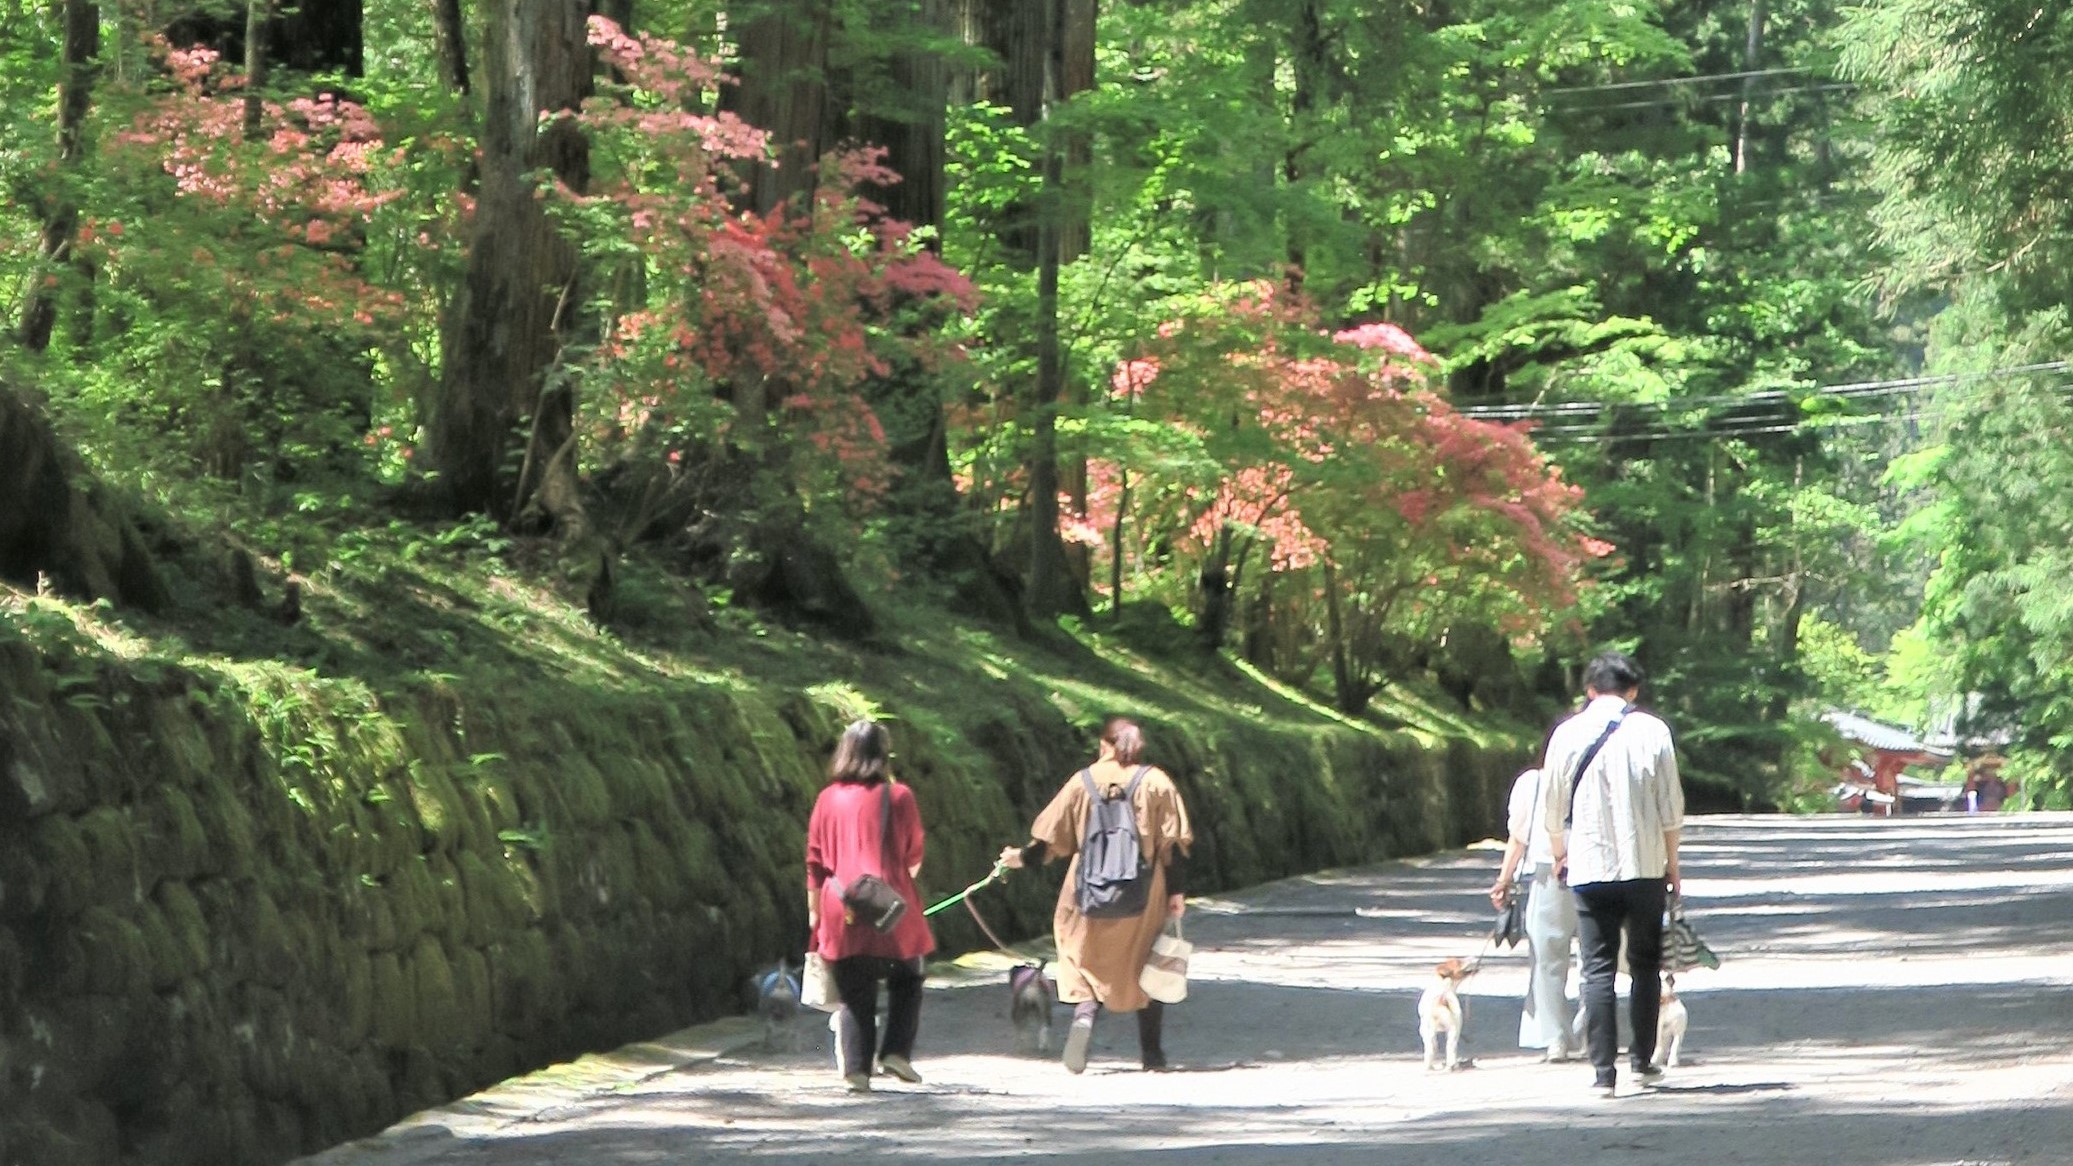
x=1059 y=826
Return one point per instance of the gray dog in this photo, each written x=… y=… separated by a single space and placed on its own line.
x=777 y=1002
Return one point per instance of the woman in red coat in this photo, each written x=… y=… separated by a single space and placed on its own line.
x=845 y=840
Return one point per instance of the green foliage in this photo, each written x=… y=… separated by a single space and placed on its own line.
x=1651 y=230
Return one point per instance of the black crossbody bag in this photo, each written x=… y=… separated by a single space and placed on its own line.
x=868 y=898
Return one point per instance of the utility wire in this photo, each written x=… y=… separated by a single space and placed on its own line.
x=1690 y=80
x=1590 y=435
x=1752 y=97
x=1846 y=391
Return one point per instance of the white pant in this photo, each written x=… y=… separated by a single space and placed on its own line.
x=1550 y=1021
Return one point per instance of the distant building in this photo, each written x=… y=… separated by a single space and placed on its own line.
x=1877 y=782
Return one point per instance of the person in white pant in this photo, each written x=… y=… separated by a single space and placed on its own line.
x=1550 y=1021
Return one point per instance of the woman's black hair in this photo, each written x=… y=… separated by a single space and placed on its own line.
x=863 y=753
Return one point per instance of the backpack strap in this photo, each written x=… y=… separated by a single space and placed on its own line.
x=1584 y=763
x=1129 y=791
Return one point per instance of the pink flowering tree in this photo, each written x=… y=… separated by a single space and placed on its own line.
x=736 y=345
x=1373 y=515
x=236 y=266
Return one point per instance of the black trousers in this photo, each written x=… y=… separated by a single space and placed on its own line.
x=856 y=981
x=1603 y=912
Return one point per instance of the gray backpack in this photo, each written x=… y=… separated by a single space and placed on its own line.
x=1115 y=880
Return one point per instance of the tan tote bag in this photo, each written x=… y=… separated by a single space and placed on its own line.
x=1165 y=975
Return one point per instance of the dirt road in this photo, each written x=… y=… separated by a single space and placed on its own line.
x=1894 y=993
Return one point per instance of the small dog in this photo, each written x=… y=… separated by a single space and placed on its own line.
x=777 y=1002
x=1031 y=995
x=1671 y=1019
x=1441 y=1009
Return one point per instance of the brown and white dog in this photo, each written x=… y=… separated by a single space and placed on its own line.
x=1671 y=1018
x=1441 y=1010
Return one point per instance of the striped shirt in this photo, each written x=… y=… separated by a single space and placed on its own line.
x=1628 y=796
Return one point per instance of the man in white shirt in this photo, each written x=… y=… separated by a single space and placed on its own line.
x=1614 y=810
x=1548 y=1021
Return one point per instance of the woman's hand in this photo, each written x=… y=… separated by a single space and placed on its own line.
x=1176 y=905
x=1011 y=857
x=1499 y=892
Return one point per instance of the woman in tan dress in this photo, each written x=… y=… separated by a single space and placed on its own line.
x=1099 y=959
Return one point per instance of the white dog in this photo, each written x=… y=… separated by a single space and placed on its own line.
x=1670 y=1022
x=1441 y=1009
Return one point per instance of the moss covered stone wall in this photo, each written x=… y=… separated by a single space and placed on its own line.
x=246 y=912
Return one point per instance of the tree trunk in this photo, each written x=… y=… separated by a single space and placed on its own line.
x=1115 y=566
x=55 y=522
x=1215 y=582
x=1052 y=587
x=319 y=36
x=258 y=14
x=1307 y=69
x=1343 y=684
x=1044 y=54
x=451 y=34
x=783 y=90
x=912 y=131
x=1752 y=51
x=82 y=43
x=505 y=328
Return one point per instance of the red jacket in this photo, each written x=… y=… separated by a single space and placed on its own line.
x=843 y=842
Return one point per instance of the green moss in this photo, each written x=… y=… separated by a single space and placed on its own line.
x=472 y=1008
x=431 y=986
x=395 y=1002
x=522 y=976
x=117 y=956
x=58 y=845
x=415 y=902
x=180 y=845
x=585 y=796
x=354 y=1007
x=186 y=926
x=437 y=806
x=277 y=956
x=451 y=918
x=232 y=845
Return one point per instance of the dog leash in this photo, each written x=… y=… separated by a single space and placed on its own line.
x=999 y=869
x=965 y=897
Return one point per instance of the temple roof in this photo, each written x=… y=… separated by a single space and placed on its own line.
x=1879 y=735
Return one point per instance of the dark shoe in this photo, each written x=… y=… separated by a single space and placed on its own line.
x=1077 y=1039
x=1156 y=1063
x=1648 y=1074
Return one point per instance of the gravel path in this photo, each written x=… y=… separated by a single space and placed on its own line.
x=1894 y=993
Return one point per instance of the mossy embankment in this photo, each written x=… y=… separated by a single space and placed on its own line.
x=262 y=890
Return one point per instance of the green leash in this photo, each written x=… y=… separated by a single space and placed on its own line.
x=998 y=870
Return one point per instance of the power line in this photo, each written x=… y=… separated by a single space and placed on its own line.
x=1755 y=426
x=1846 y=391
x=1689 y=80
x=1752 y=97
